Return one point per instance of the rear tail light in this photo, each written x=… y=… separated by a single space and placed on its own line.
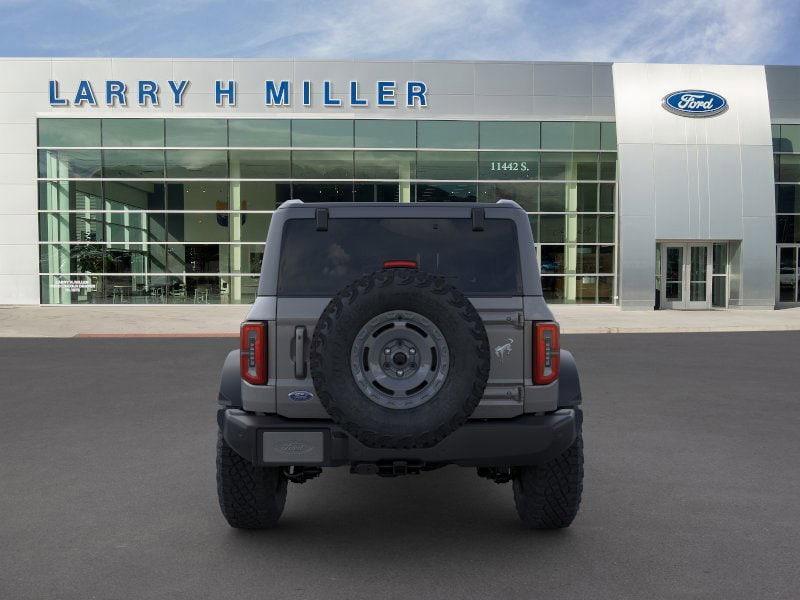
x=253 y=352
x=546 y=353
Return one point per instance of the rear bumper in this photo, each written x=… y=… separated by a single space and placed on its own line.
x=274 y=440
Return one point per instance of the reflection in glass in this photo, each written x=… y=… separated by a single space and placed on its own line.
x=509 y=134
x=259 y=133
x=322 y=133
x=197 y=133
x=260 y=164
x=65 y=133
x=447 y=165
x=524 y=194
x=64 y=164
x=133 y=164
x=322 y=164
x=198 y=164
x=447 y=134
x=384 y=133
x=198 y=195
x=133 y=132
x=447 y=192
x=385 y=165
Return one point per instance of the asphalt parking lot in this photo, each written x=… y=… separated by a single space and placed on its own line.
x=692 y=485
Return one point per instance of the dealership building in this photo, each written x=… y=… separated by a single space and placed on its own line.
x=151 y=181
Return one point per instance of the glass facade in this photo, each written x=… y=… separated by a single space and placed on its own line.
x=786 y=148
x=176 y=210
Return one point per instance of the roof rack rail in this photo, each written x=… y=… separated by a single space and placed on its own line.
x=292 y=202
x=507 y=202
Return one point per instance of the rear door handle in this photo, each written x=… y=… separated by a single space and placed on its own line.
x=300 y=352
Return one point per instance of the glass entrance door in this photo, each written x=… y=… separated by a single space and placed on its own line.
x=686 y=276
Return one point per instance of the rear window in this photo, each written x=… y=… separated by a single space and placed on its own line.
x=320 y=263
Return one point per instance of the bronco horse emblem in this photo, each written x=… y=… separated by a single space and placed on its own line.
x=504 y=350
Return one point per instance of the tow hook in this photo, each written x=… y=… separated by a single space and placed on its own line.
x=302 y=474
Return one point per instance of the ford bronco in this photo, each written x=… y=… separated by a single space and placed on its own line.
x=395 y=339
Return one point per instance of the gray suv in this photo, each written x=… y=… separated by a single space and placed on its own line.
x=396 y=339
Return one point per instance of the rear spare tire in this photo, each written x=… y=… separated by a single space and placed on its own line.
x=400 y=359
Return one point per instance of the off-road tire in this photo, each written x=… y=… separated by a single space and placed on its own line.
x=250 y=497
x=548 y=496
x=448 y=309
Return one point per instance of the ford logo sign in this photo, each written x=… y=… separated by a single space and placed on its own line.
x=300 y=396
x=695 y=103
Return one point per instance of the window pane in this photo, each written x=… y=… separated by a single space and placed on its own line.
x=322 y=133
x=587 y=136
x=260 y=164
x=199 y=227
x=132 y=164
x=606 y=229
x=509 y=165
x=69 y=132
x=585 y=166
x=587 y=197
x=586 y=259
x=552 y=229
x=776 y=138
x=198 y=289
x=608 y=136
x=134 y=226
x=790 y=138
x=552 y=259
x=586 y=289
x=270 y=133
x=198 y=195
x=787 y=198
x=447 y=165
x=134 y=258
x=254 y=227
x=787 y=263
x=524 y=194
x=789 y=170
x=383 y=192
x=70 y=195
x=261 y=195
x=606 y=197
x=509 y=134
x=556 y=165
x=788 y=229
x=71 y=227
x=132 y=195
x=534 y=221
x=447 y=134
x=553 y=197
x=553 y=288
x=605 y=290
x=197 y=132
x=587 y=229
x=380 y=133
x=720 y=261
x=446 y=192
x=133 y=132
x=385 y=165
x=322 y=164
x=557 y=135
x=605 y=263
x=197 y=163
x=323 y=192
x=608 y=166
x=62 y=164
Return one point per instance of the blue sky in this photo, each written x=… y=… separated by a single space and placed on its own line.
x=707 y=31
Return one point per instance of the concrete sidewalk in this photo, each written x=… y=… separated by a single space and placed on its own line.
x=223 y=320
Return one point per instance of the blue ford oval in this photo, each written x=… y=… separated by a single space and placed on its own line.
x=695 y=103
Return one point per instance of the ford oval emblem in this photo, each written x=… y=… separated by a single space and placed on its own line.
x=695 y=103
x=300 y=396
